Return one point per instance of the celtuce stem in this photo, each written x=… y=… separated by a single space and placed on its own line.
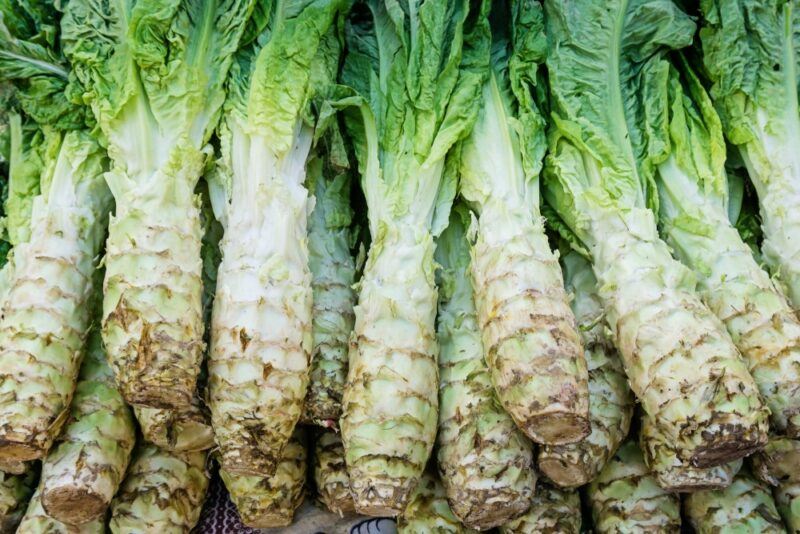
x=626 y=498
x=390 y=402
x=261 y=324
x=152 y=307
x=776 y=465
x=744 y=506
x=162 y=492
x=267 y=502
x=45 y=315
x=553 y=511
x=15 y=492
x=485 y=461
x=36 y=521
x=610 y=398
x=83 y=472
x=428 y=511
x=185 y=430
x=330 y=473
x=660 y=325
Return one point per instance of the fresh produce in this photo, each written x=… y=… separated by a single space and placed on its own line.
x=84 y=469
x=532 y=347
x=610 y=398
x=776 y=465
x=36 y=521
x=694 y=207
x=419 y=74
x=265 y=502
x=330 y=473
x=681 y=363
x=485 y=461
x=428 y=511
x=744 y=506
x=162 y=492
x=15 y=492
x=61 y=195
x=261 y=325
x=553 y=511
x=154 y=74
x=626 y=498
x=749 y=50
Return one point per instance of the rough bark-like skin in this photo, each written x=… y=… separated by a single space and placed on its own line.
x=758 y=317
x=776 y=465
x=152 y=310
x=680 y=361
x=626 y=498
x=673 y=475
x=163 y=492
x=744 y=506
x=532 y=346
x=44 y=322
x=429 y=512
x=176 y=430
x=332 y=277
x=36 y=521
x=265 y=502
x=83 y=471
x=610 y=397
x=485 y=461
x=15 y=491
x=553 y=511
x=330 y=474
x=390 y=401
x=261 y=328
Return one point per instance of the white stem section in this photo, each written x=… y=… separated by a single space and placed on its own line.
x=261 y=323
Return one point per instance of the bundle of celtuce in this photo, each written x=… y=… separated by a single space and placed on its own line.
x=465 y=263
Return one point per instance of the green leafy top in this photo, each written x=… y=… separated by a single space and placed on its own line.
x=153 y=70
x=502 y=157
x=419 y=66
x=750 y=54
x=607 y=72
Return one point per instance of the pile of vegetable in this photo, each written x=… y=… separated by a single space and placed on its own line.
x=471 y=264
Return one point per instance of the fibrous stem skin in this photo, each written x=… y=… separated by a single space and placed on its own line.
x=428 y=511
x=776 y=465
x=626 y=498
x=84 y=470
x=553 y=511
x=485 y=461
x=390 y=402
x=610 y=397
x=330 y=473
x=36 y=521
x=744 y=506
x=162 y=492
x=270 y=502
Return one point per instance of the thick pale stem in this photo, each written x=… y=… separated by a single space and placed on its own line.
x=626 y=498
x=676 y=353
x=610 y=398
x=42 y=330
x=270 y=502
x=776 y=465
x=36 y=521
x=532 y=346
x=162 y=492
x=390 y=401
x=552 y=511
x=182 y=430
x=261 y=324
x=330 y=473
x=152 y=310
x=428 y=511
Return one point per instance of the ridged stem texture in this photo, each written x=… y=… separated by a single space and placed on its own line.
x=776 y=465
x=610 y=398
x=330 y=473
x=428 y=511
x=626 y=498
x=36 y=521
x=185 y=430
x=162 y=492
x=390 y=403
x=83 y=471
x=553 y=511
x=270 y=502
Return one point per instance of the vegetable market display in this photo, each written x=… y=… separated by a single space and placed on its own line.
x=517 y=265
